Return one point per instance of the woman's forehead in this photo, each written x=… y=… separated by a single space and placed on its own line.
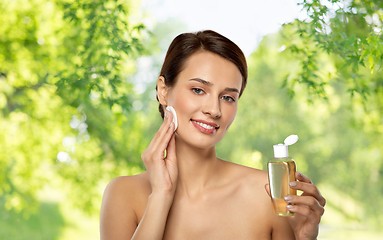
x=212 y=68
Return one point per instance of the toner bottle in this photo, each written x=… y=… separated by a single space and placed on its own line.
x=281 y=170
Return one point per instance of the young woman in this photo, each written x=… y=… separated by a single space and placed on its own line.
x=187 y=192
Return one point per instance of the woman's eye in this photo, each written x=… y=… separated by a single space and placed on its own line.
x=197 y=90
x=229 y=99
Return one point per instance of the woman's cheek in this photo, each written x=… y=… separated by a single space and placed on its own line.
x=231 y=118
x=186 y=103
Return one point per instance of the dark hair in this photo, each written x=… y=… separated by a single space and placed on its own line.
x=186 y=44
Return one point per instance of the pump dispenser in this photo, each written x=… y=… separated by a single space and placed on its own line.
x=281 y=171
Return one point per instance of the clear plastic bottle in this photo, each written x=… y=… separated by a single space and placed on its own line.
x=282 y=170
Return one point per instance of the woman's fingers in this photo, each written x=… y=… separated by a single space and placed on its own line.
x=306 y=201
x=171 y=159
x=161 y=139
x=307 y=188
x=171 y=149
x=311 y=215
x=267 y=188
x=165 y=138
x=304 y=184
x=164 y=128
x=302 y=177
x=306 y=206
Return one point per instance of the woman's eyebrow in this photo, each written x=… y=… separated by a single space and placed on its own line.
x=210 y=84
x=201 y=81
x=232 y=90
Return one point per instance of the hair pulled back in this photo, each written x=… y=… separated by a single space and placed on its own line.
x=186 y=44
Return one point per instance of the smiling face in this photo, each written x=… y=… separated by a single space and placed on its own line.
x=205 y=98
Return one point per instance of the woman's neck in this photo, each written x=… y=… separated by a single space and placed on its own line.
x=198 y=168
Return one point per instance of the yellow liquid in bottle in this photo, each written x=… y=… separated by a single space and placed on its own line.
x=281 y=173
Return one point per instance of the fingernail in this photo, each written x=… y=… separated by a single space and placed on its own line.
x=299 y=174
x=289 y=207
x=293 y=184
x=166 y=113
x=288 y=198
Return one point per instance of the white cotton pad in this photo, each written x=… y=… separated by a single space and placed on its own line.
x=171 y=109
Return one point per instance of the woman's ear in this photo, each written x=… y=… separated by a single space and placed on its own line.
x=162 y=91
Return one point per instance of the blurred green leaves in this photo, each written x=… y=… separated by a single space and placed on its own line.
x=351 y=33
x=102 y=38
x=67 y=118
x=64 y=70
x=340 y=144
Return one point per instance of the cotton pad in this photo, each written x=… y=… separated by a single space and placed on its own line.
x=171 y=109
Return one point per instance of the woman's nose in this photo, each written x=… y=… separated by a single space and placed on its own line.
x=212 y=107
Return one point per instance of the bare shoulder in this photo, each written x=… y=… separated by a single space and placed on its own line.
x=127 y=184
x=248 y=175
x=121 y=204
x=254 y=181
x=250 y=181
x=127 y=188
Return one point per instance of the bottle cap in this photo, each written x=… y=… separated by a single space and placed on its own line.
x=281 y=150
x=290 y=140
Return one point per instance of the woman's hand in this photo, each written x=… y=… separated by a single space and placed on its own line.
x=162 y=170
x=308 y=210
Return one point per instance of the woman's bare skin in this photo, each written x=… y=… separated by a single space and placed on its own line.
x=237 y=209
x=191 y=194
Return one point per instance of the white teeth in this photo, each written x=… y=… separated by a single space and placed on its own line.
x=204 y=125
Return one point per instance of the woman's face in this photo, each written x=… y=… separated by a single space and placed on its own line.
x=205 y=98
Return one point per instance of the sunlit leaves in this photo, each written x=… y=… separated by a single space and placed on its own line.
x=63 y=60
x=349 y=31
x=104 y=39
x=340 y=140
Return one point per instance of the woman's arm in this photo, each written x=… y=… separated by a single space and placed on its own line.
x=282 y=229
x=118 y=217
x=152 y=225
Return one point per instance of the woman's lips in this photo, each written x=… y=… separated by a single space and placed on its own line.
x=205 y=126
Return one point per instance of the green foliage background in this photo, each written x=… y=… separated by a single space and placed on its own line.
x=77 y=108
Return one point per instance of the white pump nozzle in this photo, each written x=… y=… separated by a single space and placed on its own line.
x=281 y=150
